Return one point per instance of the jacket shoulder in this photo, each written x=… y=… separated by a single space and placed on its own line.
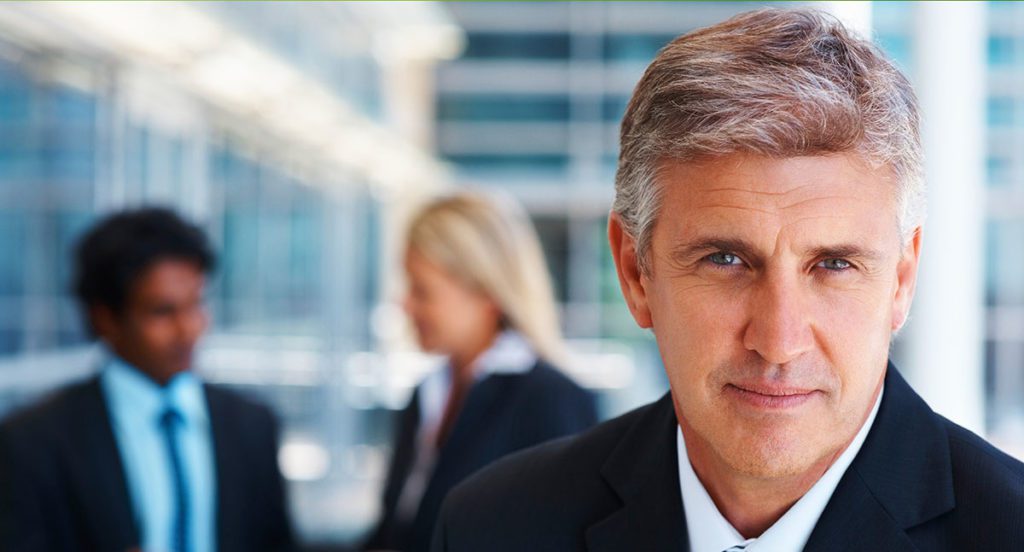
x=986 y=480
x=988 y=486
x=537 y=499
x=547 y=383
x=54 y=411
x=968 y=448
x=233 y=401
x=546 y=376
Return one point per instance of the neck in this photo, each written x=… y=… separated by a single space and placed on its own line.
x=751 y=504
x=462 y=361
x=159 y=377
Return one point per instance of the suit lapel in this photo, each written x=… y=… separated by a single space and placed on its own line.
x=99 y=472
x=227 y=468
x=855 y=520
x=481 y=409
x=644 y=472
x=901 y=477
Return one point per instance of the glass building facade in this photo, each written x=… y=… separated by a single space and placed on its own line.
x=300 y=301
x=300 y=235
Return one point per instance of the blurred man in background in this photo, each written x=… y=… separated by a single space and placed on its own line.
x=143 y=455
x=767 y=229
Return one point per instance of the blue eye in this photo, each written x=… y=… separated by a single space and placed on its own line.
x=835 y=264
x=722 y=258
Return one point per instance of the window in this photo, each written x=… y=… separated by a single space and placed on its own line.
x=503 y=108
x=517 y=46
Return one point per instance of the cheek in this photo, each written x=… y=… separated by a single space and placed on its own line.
x=157 y=334
x=449 y=319
x=697 y=330
x=474 y=313
x=855 y=319
x=854 y=335
x=140 y=340
x=202 y=320
x=699 y=314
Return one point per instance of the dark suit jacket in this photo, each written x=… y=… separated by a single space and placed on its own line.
x=919 y=482
x=63 y=487
x=502 y=414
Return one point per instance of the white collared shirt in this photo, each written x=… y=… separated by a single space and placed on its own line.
x=709 y=531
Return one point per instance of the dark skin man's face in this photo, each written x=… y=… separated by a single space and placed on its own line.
x=162 y=319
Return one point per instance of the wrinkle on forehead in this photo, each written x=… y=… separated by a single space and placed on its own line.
x=760 y=192
x=714 y=198
x=779 y=210
x=797 y=203
x=758 y=183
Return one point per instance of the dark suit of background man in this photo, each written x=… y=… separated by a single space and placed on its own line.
x=767 y=228
x=143 y=455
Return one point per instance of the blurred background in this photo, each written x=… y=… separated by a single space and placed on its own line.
x=300 y=135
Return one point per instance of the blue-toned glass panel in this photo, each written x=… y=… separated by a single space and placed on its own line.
x=545 y=163
x=517 y=46
x=1002 y=50
x=1001 y=111
x=636 y=47
x=503 y=108
x=1004 y=266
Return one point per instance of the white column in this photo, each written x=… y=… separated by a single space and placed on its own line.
x=945 y=336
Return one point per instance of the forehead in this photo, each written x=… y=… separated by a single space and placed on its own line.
x=827 y=196
x=169 y=277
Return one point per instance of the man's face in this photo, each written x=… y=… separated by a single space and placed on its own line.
x=162 y=319
x=775 y=285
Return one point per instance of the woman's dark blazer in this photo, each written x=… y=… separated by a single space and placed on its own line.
x=503 y=413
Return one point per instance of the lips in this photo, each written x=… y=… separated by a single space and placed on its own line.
x=770 y=396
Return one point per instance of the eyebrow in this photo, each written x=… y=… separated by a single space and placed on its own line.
x=685 y=252
x=847 y=251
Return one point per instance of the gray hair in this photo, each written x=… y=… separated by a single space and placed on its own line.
x=773 y=82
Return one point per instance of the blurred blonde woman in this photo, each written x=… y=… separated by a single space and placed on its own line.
x=479 y=294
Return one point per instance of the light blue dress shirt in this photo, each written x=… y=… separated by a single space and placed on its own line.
x=135 y=403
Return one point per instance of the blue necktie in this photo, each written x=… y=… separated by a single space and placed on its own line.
x=170 y=420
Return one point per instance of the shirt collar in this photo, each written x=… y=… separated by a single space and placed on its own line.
x=134 y=392
x=710 y=531
x=509 y=354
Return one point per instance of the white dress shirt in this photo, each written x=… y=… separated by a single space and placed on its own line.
x=135 y=403
x=709 y=531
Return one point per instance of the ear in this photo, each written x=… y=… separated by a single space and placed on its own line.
x=104 y=323
x=906 y=280
x=628 y=268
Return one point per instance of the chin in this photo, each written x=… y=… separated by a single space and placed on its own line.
x=428 y=347
x=425 y=342
x=773 y=454
x=770 y=464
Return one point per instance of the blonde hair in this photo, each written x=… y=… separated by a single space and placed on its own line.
x=773 y=82
x=491 y=247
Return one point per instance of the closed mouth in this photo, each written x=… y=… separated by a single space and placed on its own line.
x=770 y=396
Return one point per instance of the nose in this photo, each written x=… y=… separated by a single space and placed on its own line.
x=779 y=328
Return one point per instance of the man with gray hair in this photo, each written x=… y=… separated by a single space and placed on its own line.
x=767 y=229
